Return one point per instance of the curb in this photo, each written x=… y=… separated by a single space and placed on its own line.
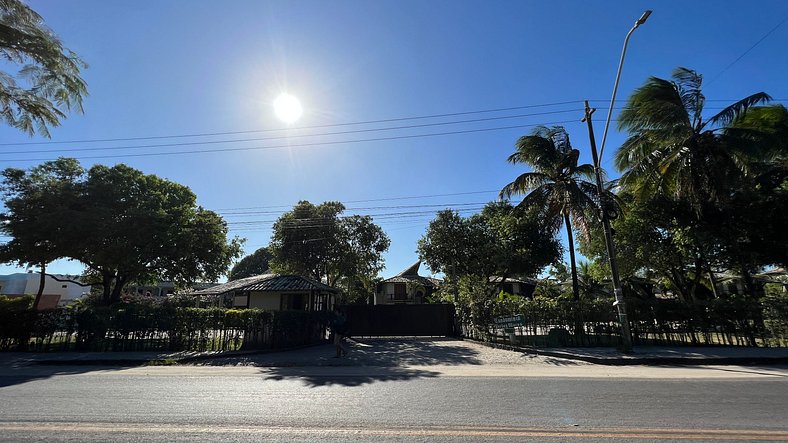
x=647 y=361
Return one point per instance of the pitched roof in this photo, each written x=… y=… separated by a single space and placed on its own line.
x=411 y=274
x=412 y=270
x=267 y=283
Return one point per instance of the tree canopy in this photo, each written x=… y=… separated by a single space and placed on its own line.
x=557 y=185
x=501 y=241
x=48 y=83
x=253 y=264
x=318 y=242
x=701 y=194
x=122 y=224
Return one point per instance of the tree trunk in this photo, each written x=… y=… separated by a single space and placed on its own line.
x=575 y=286
x=573 y=265
x=749 y=285
x=41 y=283
x=119 y=283
x=713 y=280
x=106 y=285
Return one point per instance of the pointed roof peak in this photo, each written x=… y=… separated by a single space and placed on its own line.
x=412 y=270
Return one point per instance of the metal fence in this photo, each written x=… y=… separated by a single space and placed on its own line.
x=551 y=323
x=159 y=329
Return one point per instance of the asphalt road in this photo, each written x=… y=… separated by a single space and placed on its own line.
x=384 y=404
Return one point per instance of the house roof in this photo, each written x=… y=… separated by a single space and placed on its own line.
x=512 y=280
x=412 y=270
x=424 y=281
x=411 y=275
x=267 y=283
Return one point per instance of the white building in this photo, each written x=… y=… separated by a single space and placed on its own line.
x=58 y=289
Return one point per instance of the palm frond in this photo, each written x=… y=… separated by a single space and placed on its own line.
x=738 y=109
x=688 y=84
x=523 y=184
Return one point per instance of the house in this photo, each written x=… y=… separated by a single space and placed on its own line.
x=730 y=283
x=58 y=289
x=515 y=286
x=273 y=292
x=407 y=287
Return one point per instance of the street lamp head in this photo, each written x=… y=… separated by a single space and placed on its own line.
x=643 y=18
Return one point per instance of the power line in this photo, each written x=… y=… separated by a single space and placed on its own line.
x=295 y=145
x=369 y=208
x=332 y=125
x=373 y=199
x=747 y=51
x=356 y=131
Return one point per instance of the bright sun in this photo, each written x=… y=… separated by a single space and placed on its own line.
x=288 y=108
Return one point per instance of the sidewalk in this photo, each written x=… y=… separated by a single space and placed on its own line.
x=658 y=355
x=413 y=352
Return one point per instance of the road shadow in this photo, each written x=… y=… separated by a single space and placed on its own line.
x=20 y=374
x=412 y=352
x=313 y=380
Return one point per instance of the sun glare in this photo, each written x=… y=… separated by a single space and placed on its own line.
x=288 y=108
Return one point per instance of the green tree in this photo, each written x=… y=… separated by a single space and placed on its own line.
x=673 y=150
x=501 y=241
x=556 y=184
x=318 y=242
x=141 y=227
x=729 y=168
x=39 y=204
x=122 y=224
x=48 y=83
x=253 y=264
x=655 y=240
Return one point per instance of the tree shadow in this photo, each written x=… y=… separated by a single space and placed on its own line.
x=411 y=352
x=310 y=378
x=20 y=374
x=561 y=362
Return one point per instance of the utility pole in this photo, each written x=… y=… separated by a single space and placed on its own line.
x=620 y=303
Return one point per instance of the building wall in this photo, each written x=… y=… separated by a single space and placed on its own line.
x=265 y=300
x=55 y=292
x=386 y=293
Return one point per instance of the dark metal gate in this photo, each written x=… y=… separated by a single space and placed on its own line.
x=434 y=320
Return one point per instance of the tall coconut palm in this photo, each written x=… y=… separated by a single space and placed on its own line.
x=672 y=149
x=555 y=184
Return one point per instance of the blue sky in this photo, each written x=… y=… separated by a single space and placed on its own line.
x=169 y=68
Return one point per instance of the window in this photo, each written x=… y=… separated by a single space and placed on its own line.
x=64 y=286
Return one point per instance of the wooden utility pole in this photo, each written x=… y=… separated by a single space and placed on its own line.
x=620 y=303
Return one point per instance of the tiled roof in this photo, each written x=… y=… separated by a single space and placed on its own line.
x=266 y=283
x=289 y=283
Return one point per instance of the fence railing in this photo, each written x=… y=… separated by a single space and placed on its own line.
x=553 y=323
x=157 y=328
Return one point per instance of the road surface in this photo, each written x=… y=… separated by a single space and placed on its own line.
x=556 y=401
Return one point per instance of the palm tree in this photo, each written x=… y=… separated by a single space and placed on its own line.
x=672 y=149
x=556 y=184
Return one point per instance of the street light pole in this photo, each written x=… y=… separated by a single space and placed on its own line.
x=639 y=22
x=620 y=303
